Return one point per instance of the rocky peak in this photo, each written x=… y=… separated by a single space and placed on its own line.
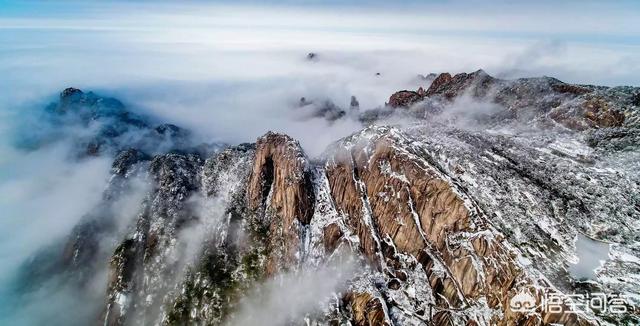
x=325 y=109
x=176 y=173
x=544 y=101
x=280 y=191
x=438 y=83
x=70 y=93
x=476 y=83
x=126 y=159
x=404 y=99
x=636 y=99
x=354 y=104
x=401 y=205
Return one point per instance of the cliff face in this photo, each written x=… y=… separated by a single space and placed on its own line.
x=280 y=192
x=447 y=226
x=407 y=212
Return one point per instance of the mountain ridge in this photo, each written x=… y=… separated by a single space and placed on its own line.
x=447 y=223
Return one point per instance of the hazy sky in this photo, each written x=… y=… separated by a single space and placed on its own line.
x=190 y=62
x=578 y=41
x=612 y=22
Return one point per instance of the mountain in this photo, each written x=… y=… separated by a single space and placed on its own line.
x=473 y=202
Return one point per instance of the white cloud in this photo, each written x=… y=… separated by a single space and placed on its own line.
x=290 y=296
x=43 y=198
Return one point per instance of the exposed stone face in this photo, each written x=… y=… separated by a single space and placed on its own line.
x=332 y=235
x=354 y=104
x=126 y=159
x=544 y=101
x=397 y=203
x=69 y=93
x=280 y=190
x=477 y=84
x=601 y=115
x=636 y=99
x=570 y=89
x=393 y=199
x=439 y=83
x=404 y=99
x=144 y=266
x=85 y=246
x=325 y=109
x=592 y=113
x=367 y=310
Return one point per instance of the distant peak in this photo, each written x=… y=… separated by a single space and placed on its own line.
x=480 y=72
x=68 y=92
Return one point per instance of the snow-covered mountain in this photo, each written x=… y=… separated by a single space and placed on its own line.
x=453 y=201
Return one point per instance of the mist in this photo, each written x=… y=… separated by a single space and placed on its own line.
x=43 y=198
x=293 y=295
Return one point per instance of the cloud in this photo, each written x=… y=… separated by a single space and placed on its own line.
x=45 y=196
x=289 y=297
x=41 y=198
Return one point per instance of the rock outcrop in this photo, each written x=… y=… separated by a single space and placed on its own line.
x=476 y=84
x=439 y=83
x=399 y=204
x=404 y=99
x=109 y=128
x=280 y=190
x=607 y=116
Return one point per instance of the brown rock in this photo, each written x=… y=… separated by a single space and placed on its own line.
x=593 y=113
x=332 y=235
x=601 y=115
x=367 y=310
x=439 y=83
x=477 y=84
x=280 y=192
x=570 y=89
x=421 y=92
x=404 y=99
x=393 y=200
x=442 y=318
